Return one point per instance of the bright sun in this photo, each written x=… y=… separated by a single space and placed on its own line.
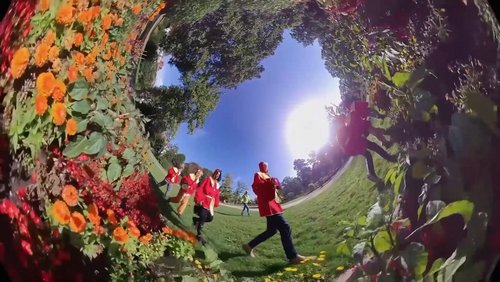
x=307 y=128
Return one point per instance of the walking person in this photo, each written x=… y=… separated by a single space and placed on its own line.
x=172 y=177
x=206 y=200
x=245 y=199
x=188 y=186
x=265 y=186
x=352 y=136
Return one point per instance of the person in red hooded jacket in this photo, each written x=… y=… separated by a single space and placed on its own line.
x=352 y=134
x=206 y=200
x=265 y=187
x=172 y=177
x=189 y=183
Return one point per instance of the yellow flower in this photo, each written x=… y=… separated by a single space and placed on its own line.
x=322 y=252
x=340 y=268
x=321 y=256
x=279 y=274
x=317 y=276
x=320 y=259
x=197 y=262
x=291 y=269
x=316 y=264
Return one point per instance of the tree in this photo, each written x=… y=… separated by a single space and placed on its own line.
x=304 y=171
x=292 y=187
x=241 y=188
x=226 y=187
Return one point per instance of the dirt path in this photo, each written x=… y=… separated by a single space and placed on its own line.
x=307 y=197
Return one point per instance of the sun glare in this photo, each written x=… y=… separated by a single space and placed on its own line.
x=307 y=128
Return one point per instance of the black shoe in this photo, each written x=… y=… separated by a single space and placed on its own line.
x=201 y=239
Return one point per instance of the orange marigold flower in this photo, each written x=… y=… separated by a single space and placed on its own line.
x=162 y=5
x=19 y=62
x=146 y=238
x=93 y=212
x=58 y=113
x=107 y=55
x=94 y=11
x=43 y=5
x=131 y=224
x=120 y=235
x=60 y=212
x=98 y=229
x=78 y=39
x=84 y=17
x=72 y=74
x=41 y=54
x=40 y=104
x=45 y=83
x=79 y=58
x=90 y=59
x=111 y=216
x=49 y=38
x=89 y=75
x=71 y=127
x=59 y=91
x=120 y=21
x=77 y=222
x=134 y=232
x=65 y=14
x=136 y=9
x=70 y=195
x=53 y=53
x=106 y=22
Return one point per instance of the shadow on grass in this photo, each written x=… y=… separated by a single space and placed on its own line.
x=268 y=271
x=165 y=207
x=229 y=214
x=224 y=256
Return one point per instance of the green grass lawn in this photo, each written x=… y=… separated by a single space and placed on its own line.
x=314 y=224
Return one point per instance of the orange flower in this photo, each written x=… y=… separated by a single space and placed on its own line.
x=146 y=238
x=72 y=74
x=49 y=38
x=79 y=58
x=93 y=213
x=120 y=21
x=162 y=5
x=134 y=232
x=94 y=11
x=70 y=195
x=107 y=56
x=71 y=126
x=136 y=9
x=65 y=14
x=53 y=53
x=19 y=62
x=78 y=39
x=111 y=216
x=120 y=235
x=40 y=104
x=98 y=229
x=43 y=5
x=84 y=17
x=45 y=84
x=60 y=212
x=131 y=224
x=167 y=230
x=41 y=54
x=89 y=76
x=90 y=59
x=59 y=91
x=58 y=113
x=77 y=222
x=106 y=22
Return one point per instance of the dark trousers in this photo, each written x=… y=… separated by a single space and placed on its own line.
x=380 y=151
x=245 y=207
x=203 y=217
x=277 y=223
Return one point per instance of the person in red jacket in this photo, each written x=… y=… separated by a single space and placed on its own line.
x=189 y=183
x=265 y=187
x=352 y=134
x=172 y=177
x=206 y=200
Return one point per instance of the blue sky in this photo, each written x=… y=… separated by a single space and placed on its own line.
x=248 y=125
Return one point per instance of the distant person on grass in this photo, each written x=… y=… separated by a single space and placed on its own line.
x=188 y=185
x=172 y=177
x=245 y=199
x=265 y=186
x=352 y=137
x=206 y=200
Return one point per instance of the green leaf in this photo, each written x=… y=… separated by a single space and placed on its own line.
x=82 y=107
x=128 y=154
x=482 y=106
x=450 y=266
x=82 y=126
x=80 y=90
x=415 y=257
x=400 y=78
x=436 y=265
x=128 y=170
x=74 y=149
x=95 y=143
x=416 y=77
x=382 y=241
x=464 y=208
x=362 y=221
x=102 y=103
x=114 y=171
x=343 y=249
x=397 y=183
x=210 y=255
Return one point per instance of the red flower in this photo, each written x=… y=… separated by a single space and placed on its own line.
x=26 y=247
x=9 y=208
x=47 y=276
x=21 y=193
